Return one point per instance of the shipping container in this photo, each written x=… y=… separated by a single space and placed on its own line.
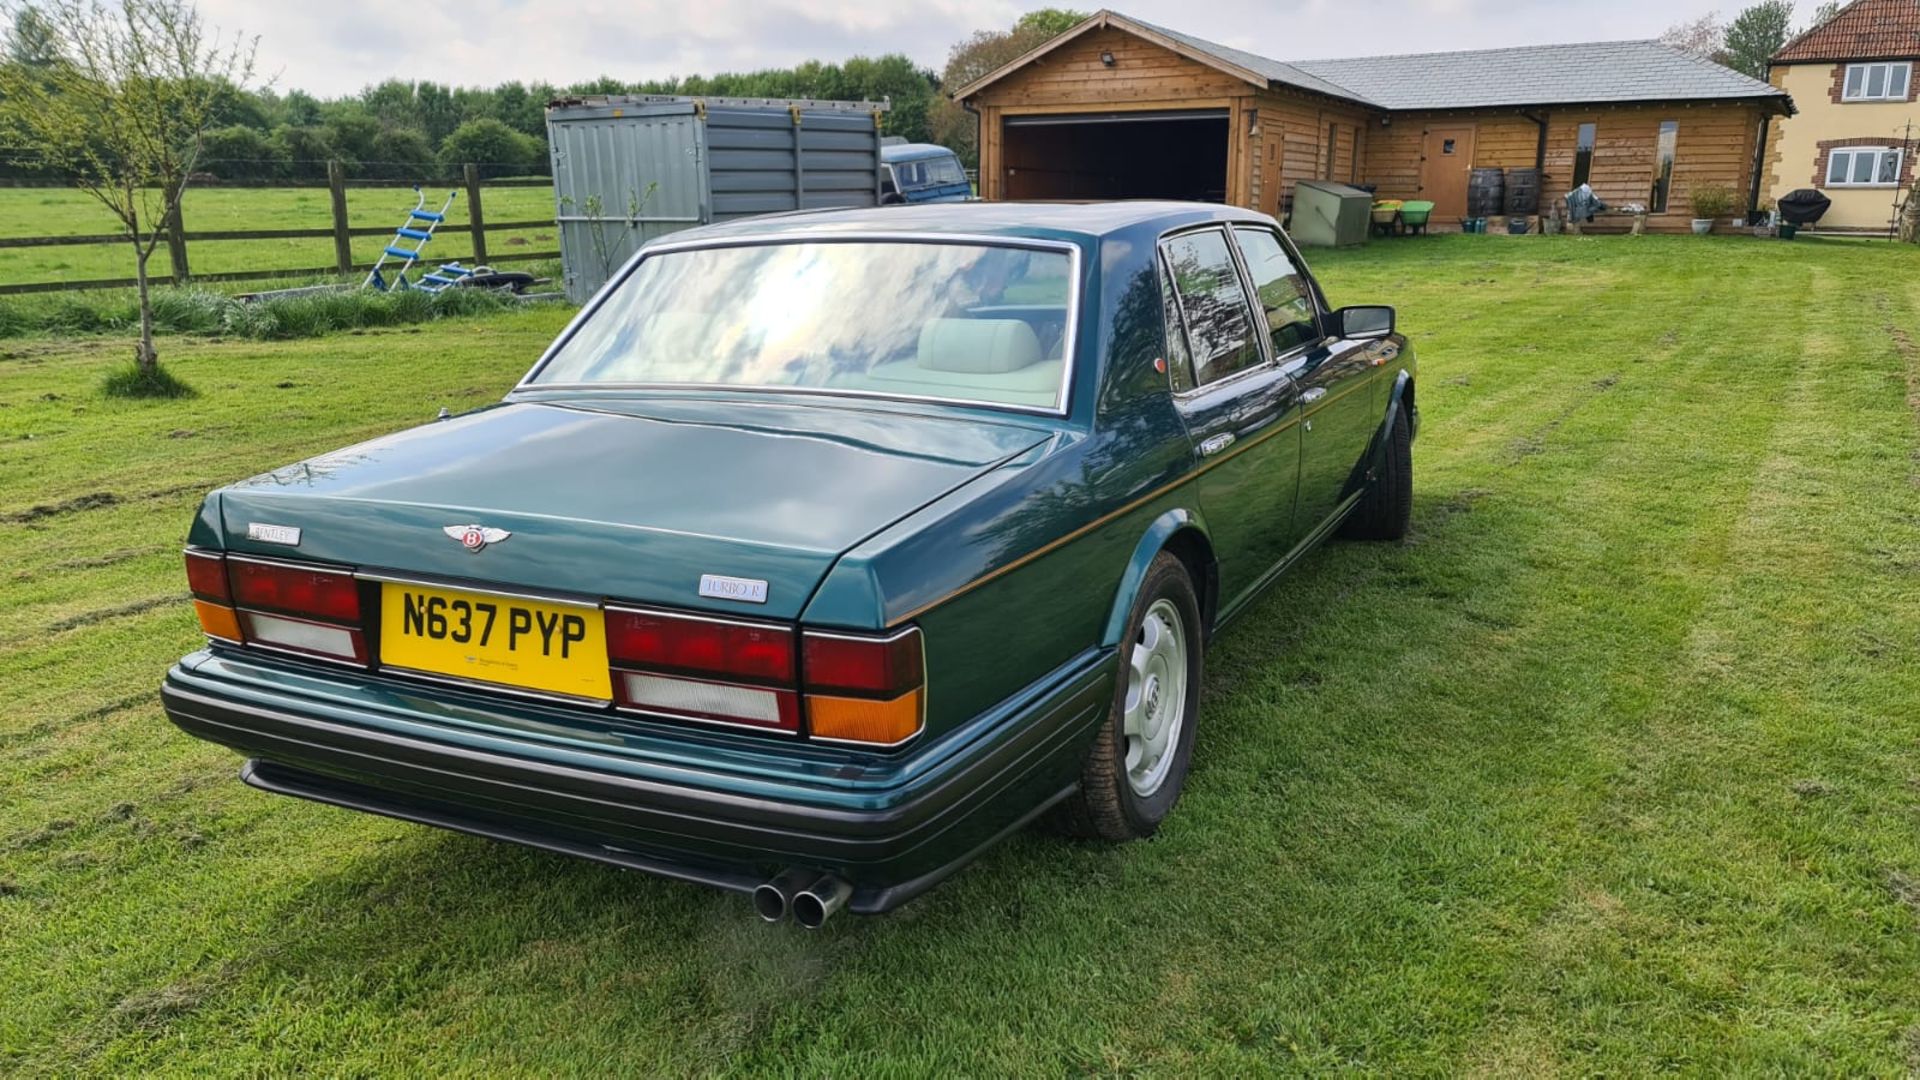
x=628 y=169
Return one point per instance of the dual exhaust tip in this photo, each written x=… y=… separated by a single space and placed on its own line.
x=809 y=897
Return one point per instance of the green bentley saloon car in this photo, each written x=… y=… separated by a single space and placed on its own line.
x=820 y=552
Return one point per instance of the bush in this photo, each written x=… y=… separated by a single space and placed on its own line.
x=496 y=148
x=1712 y=200
x=129 y=381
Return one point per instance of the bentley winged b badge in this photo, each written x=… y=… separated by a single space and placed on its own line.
x=475 y=537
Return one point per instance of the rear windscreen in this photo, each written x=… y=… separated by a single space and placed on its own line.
x=963 y=322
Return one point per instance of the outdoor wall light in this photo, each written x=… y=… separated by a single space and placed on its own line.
x=1106 y=58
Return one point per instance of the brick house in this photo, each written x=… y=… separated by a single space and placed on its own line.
x=1854 y=137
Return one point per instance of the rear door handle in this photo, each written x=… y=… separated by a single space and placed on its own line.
x=1216 y=444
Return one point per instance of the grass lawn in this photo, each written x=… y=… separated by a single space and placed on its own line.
x=1610 y=769
x=58 y=212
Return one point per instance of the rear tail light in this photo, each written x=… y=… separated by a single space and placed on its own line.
x=207 y=580
x=307 y=591
x=302 y=609
x=864 y=690
x=710 y=670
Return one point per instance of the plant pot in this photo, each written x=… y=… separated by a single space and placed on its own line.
x=1702 y=226
x=1787 y=231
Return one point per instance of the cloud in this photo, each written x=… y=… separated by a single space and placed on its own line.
x=339 y=46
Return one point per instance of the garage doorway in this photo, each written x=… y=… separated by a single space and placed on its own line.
x=1158 y=155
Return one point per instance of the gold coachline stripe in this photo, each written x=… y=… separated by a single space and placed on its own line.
x=1128 y=508
x=1092 y=525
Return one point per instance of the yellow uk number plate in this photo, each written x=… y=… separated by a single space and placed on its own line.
x=510 y=640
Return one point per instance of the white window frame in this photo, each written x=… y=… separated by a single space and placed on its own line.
x=1892 y=73
x=1850 y=153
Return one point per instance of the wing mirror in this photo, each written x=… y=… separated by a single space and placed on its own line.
x=1364 y=322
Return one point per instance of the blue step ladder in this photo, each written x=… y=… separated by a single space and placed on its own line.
x=419 y=227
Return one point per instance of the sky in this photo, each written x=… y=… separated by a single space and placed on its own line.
x=336 y=47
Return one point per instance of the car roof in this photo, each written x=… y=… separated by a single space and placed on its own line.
x=913 y=151
x=1061 y=220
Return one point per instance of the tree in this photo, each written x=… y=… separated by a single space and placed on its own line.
x=403 y=154
x=31 y=41
x=303 y=150
x=496 y=148
x=1756 y=34
x=1824 y=13
x=1704 y=37
x=954 y=127
x=125 y=110
x=240 y=153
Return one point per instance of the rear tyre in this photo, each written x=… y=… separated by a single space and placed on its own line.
x=1138 y=764
x=1387 y=507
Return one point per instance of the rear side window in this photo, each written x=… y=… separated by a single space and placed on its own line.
x=1282 y=289
x=1213 y=306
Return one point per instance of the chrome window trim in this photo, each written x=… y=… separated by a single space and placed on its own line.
x=1320 y=309
x=1062 y=406
x=1255 y=323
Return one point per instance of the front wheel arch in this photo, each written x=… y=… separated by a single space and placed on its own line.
x=1182 y=532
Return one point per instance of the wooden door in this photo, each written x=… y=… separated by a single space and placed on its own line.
x=1273 y=172
x=1446 y=159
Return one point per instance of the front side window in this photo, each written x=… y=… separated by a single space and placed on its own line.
x=1863 y=166
x=1213 y=306
x=1281 y=288
x=1583 y=154
x=965 y=322
x=1877 y=82
x=1664 y=149
x=929 y=172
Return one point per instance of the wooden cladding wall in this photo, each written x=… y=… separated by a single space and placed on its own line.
x=1290 y=142
x=1074 y=75
x=1715 y=146
x=1277 y=137
x=1502 y=140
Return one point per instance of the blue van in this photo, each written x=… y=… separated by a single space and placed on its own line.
x=922 y=172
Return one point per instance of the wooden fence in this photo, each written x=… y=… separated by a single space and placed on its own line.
x=178 y=237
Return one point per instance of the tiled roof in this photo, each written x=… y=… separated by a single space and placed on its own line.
x=1863 y=30
x=1600 y=71
x=1595 y=72
x=1294 y=75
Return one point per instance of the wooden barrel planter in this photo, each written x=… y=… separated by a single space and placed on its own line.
x=1486 y=193
x=1523 y=191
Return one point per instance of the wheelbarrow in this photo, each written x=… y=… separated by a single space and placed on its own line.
x=1386 y=216
x=1414 y=215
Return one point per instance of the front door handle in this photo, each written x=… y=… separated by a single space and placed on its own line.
x=1312 y=394
x=1216 y=444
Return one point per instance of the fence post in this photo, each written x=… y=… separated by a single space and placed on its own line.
x=342 y=243
x=475 y=218
x=176 y=238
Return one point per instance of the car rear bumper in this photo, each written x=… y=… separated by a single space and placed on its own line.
x=721 y=824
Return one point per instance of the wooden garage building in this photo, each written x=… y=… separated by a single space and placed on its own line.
x=1119 y=108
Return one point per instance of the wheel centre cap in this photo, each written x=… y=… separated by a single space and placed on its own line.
x=1153 y=703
